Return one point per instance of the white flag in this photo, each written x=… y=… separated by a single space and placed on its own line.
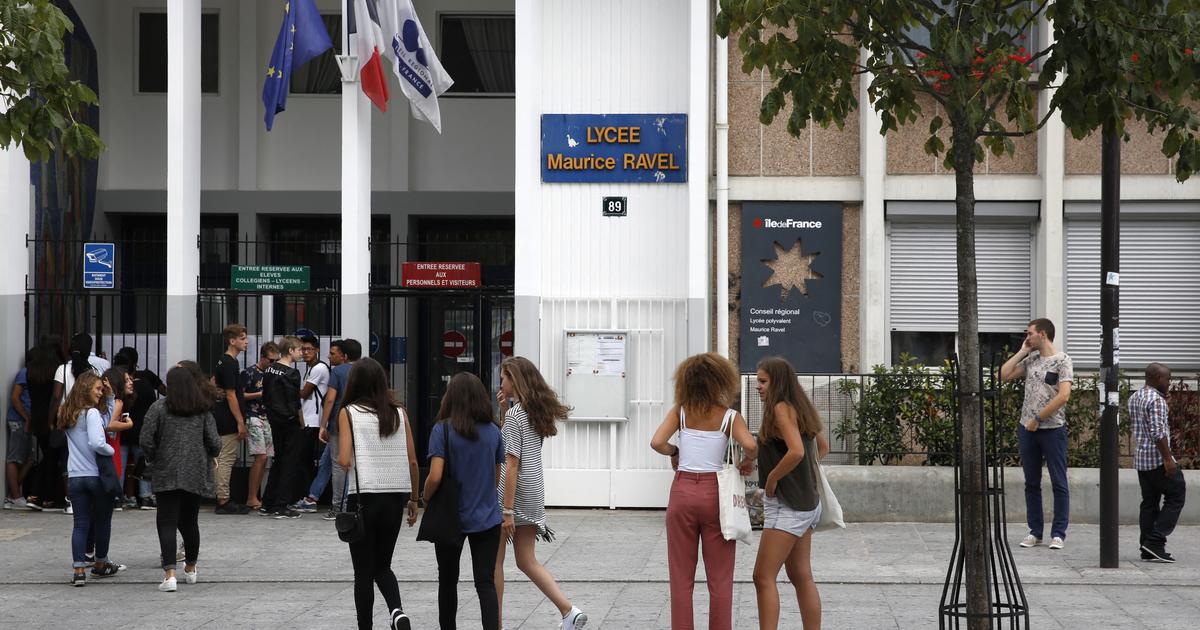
x=421 y=75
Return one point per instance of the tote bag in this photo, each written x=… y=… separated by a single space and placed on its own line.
x=831 y=510
x=440 y=524
x=731 y=489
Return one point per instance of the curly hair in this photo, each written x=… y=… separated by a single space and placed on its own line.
x=705 y=380
x=538 y=400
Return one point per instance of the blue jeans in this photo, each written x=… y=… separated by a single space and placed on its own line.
x=93 y=509
x=324 y=472
x=129 y=456
x=329 y=469
x=1049 y=445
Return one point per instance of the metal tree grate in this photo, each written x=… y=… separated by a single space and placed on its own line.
x=1007 y=606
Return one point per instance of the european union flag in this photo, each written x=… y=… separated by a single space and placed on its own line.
x=301 y=37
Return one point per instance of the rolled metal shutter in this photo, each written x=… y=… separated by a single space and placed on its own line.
x=1160 y=291
x=923 y=276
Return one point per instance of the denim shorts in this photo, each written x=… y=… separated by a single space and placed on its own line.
x=18 y=442
x=776 y=515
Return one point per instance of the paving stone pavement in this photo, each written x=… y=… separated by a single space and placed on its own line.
x=262 y=573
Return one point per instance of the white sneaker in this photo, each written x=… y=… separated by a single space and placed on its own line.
x=574 y=620
x=68 y=509
x=1056 y=543
x=168 y=585
x=1030 y=541
x=190 y=578
x=18 y=503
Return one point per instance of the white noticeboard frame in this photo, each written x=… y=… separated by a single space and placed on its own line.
x=595 y=382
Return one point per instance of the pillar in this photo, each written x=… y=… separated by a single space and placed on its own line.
x=183 y=177
x=356 y=203
x=15 y=206
x=873 y=328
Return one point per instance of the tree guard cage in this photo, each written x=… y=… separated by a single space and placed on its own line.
x=1007 y=606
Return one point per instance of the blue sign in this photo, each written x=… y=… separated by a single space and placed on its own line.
x=99 y=262
x=614 y=148
x=374 y=344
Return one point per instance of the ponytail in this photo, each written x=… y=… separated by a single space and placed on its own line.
x=81 y=347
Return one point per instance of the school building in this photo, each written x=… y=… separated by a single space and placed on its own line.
x=601 y=199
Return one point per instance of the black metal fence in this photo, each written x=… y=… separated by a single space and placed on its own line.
x=907 y=417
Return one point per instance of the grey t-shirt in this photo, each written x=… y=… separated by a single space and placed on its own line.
x=1042 y=376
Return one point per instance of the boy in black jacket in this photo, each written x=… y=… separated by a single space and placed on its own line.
x=281 y=396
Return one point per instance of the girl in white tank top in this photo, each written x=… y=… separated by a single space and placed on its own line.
x=703 y=451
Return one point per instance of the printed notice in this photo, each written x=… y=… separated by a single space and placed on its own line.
x=601 y=354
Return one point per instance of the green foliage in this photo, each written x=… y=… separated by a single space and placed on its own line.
x=1129 y=60
x=38 y=98
x=1122 y=59
x=905 y=414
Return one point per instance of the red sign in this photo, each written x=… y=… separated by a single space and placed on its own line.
x=441 y=275
x=454 y=344
x=506 y=341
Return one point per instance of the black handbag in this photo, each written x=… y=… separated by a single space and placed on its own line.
x=108 y=475
x=441 y=525
x=349 y=524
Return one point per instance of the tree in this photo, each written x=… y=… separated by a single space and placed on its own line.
x=39 y=100
x=977 y=60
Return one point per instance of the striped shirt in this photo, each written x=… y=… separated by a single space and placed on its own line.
x=521 y=441
x=1148 y=413
x=380 y=463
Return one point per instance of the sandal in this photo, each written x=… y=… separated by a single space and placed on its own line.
x=108 y=569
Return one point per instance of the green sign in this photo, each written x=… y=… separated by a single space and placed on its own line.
x=270 y=278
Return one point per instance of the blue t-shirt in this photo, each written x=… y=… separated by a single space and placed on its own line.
x=22 y=375
x=339 y=375
x=473 y=464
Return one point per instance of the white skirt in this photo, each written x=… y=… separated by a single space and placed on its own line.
x=776 y=515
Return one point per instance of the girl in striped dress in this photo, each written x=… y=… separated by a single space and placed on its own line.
x=529 y=420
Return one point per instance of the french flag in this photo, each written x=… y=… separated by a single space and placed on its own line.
x=368 y=43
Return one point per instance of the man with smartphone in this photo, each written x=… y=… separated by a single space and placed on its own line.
x=1042 y=430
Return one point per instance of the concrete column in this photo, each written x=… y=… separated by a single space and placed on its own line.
x=250 y=108
x=356 y=208
x=527 y=289
x=1049 y=280
x=873 y=329
x=16 y=197
x=183 y=176
x=699 y=259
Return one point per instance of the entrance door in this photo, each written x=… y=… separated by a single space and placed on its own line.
x=460 y=333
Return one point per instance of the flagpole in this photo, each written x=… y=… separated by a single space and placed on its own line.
x=355 y=197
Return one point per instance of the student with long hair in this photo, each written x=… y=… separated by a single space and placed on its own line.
x=705 y=385
x=527 y=422
x=180 y=438
x=377 y=449
x=118 y=395
x=79 y=417
x=476 y=450
x=147 y=387
x=792 y=440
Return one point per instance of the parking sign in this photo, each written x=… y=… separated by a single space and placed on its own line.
x=99 y=262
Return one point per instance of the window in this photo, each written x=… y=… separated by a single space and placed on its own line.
x=152 y=52
x=478 y=51
x=321 y=75
x=932 y=348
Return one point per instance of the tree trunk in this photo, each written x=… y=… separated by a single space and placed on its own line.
x=972 y=461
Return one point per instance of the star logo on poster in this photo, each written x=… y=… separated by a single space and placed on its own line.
x=791 y=269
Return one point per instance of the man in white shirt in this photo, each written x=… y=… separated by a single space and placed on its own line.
x=312 y=399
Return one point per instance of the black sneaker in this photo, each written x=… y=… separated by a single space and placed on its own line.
x=244 y=509
x=1157 y=555
x=400 y=620
x=283 y=513
x=1146 y=555
x=147 y=503
x=265 y=511
x=228 y=507
x=78 y=579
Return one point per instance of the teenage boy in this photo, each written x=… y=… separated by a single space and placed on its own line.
x=1163 y=487
x=228 y=414
x=258 y=431
x=281 y=397
x=1042 y=431
x=17 y=461
x=342 y=355
x=312 y=395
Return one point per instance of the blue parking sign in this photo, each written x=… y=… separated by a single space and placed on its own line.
x=99 y=262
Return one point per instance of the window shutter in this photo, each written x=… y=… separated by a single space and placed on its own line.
x=923 y=274
x=1160 y=291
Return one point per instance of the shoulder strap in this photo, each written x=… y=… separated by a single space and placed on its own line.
x=446 y=440
x=682 y=420
x=727 y=422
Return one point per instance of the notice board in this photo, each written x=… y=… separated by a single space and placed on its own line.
x=596 y=378
x=792 y=285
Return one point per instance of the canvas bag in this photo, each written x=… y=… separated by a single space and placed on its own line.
x=731 y=498
x=831 y=510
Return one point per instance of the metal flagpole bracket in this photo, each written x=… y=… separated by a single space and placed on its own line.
x=349 y=66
